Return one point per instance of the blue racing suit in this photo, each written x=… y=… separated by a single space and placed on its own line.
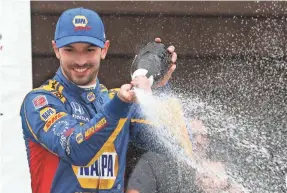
x=76 y=139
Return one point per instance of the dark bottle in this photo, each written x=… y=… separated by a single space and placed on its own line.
x=153 y=61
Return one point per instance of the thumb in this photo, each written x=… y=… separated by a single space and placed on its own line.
x=126 y=87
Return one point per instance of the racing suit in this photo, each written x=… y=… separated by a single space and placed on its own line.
x=76 y=139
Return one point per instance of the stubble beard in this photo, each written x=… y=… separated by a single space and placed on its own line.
x=81 y=81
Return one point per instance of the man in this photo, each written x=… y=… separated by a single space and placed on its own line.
x=161 y=173
x=76 y=131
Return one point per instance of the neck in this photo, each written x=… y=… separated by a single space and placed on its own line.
x=90 y=86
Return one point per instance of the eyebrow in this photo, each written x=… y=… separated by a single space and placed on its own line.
x=88 y=46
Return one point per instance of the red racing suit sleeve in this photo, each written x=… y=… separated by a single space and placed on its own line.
x=46 y=120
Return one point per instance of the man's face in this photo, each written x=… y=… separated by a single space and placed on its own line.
x=80 y=62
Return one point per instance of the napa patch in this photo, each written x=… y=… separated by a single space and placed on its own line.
x=47 y=113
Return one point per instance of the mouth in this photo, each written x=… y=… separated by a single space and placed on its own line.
x=80 y=70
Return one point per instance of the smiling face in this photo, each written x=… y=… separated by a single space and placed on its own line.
x=80 y=62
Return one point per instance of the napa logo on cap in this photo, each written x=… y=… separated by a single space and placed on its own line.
x=80 y=22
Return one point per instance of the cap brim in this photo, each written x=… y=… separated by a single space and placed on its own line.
x=77 y=39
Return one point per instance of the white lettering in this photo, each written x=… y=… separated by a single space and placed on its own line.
x=80 y=117
x=103 y=168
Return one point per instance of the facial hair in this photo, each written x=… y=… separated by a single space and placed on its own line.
x=81 y=81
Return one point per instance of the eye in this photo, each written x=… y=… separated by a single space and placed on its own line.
x=91 y=49
x=68 y=49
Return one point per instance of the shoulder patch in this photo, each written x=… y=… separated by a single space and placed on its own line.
x=103 y=88
x=112 y=92
x=40 y=101
x=55 y=88
x=47 y=113
x=52 y=85
x=59 y=95
x=53 y=120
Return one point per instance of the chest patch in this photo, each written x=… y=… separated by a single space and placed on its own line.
x=79 y=112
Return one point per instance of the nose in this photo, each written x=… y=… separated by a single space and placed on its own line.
x=80 y=59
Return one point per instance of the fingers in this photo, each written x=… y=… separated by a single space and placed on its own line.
x=158 y=40
x=133 y=191
x=170 y=71
x=125 y=94
x=127 y=87
x=142 y=82
x=173 y=58
x=167 y=76
x=171 y=49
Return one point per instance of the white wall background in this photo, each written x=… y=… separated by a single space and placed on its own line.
x=15 y=82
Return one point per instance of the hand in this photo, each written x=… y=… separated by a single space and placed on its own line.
x=143 y=83
x=214 y=180
x=236 y=188
x=200 y=138
x=167 y=76
x=126 y=93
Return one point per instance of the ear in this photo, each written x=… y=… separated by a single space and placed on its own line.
x=104 y=51
x=56 y=50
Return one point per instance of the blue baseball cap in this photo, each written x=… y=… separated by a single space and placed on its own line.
x=80 y=25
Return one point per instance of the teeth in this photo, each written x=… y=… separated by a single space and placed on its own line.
x=80 y=69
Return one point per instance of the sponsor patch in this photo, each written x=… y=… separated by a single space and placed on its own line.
x=58 y=94
x=64 y=134
x=77 y=108
x=104 y=168
x=80 y=22
x=62 y=123
x=103 y=88
x=81 y=118
x=53 y=120
x=79 y=138
x=95 y=128
x=79 y=112
x=65 y=140
x=101 y=174
x=91 y=96
x=47 y=113
x=40 y=101
x=69 y=132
